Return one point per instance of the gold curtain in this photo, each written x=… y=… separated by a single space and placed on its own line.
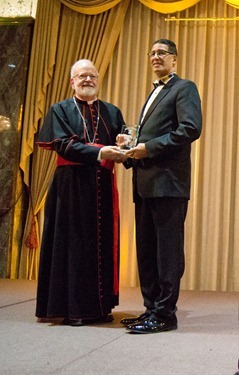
x=90 y=6
x=166 y=6
x=161 y=6
x=233 y=3
x=43 y=55
x=208 y=54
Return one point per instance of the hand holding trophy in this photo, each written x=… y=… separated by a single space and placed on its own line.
x=127 y=138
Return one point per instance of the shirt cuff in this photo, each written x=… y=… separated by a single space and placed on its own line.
x=99 y=156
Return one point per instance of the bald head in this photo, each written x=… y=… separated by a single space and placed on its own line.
x=83 y=63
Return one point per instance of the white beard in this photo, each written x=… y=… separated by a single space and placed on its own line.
x=87 y=91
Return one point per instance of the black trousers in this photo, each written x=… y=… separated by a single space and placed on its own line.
x=160 y=252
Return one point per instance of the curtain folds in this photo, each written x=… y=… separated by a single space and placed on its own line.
x=118 y=41
x=90 y=6
x=98 y=6
x=43 y=55
x=167 y=7
x=40 y=74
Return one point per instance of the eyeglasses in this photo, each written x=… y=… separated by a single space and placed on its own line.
x=159 y=53
x=83 y=77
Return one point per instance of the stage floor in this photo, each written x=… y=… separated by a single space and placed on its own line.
x=206 y=342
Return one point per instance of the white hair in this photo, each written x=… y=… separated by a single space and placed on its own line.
x=82 y=62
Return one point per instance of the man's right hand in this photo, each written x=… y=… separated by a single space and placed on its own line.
x=113 y=153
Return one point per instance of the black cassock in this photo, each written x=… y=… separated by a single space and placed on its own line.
x=79 y=260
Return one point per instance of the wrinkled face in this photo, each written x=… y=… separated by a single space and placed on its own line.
x=84 y=81
x=161 y=60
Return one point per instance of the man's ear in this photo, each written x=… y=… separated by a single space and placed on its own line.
x=72 y=83
x=174 y=60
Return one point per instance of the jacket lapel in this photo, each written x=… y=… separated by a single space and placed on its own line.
x=165 y=90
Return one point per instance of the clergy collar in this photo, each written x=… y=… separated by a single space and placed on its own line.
x=89 y=102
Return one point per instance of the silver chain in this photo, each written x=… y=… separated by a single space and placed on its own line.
x=84 y=122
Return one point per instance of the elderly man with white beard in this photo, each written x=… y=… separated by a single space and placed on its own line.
x=78 y=274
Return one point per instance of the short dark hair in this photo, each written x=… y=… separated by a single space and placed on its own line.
x=171 y=45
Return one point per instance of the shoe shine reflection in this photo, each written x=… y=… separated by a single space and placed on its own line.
x=152 y=324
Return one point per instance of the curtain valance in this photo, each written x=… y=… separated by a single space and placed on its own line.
x=161 y=6
x=90 y=6
x=166 y=6
x=233 y=3
x=99 y=6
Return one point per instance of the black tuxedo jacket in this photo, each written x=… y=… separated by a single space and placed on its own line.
x=171 y=124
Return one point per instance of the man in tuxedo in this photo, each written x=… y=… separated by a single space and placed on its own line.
x=170 y=121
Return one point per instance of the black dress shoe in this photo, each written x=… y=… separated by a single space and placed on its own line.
x=152 y=325
x=73 y=322
x=137 y=319
x=81 y=322
x=106 y=318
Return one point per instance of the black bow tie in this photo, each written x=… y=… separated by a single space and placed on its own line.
x=160 y=82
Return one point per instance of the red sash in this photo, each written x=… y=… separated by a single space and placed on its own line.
x=61 y=161
x=106 y=163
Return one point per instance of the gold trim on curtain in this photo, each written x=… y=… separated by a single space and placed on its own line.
x=233 y=3
x=169 y=6
x=90 y=6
